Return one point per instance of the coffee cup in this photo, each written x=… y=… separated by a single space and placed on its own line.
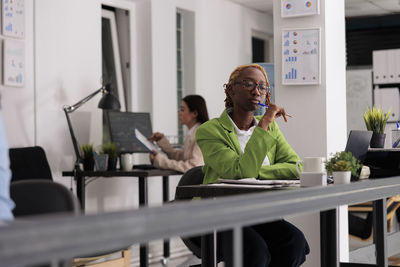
x=311 y=164
x=308 y=179
x=127 y=161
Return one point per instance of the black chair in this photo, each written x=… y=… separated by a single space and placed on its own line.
x=34 y=193
x=29 y=163
x=36 y=197
x=193 y=176
x=361 y=228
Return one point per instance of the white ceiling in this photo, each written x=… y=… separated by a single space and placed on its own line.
x=354 y=8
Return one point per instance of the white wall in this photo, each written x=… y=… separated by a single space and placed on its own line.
x=18 y=102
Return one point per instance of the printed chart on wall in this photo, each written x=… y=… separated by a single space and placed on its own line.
x=294 y=8
x=14 y=63
x=300 y=56
x=13 y=18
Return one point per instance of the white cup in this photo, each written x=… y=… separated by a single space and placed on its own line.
x=308 y=179
x=127 y=161
x=311 y=164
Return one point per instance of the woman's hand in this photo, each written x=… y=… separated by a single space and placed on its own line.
x=156 y=137
x=152 y=156
x=271 y=114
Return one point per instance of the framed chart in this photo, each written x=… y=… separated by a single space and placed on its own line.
x=13 y=14
x=301 y=56
x=296 y=8
x=14 y=63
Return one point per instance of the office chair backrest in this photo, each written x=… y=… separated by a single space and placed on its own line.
x=194 y=176
x=29 y=163
x=36 y=197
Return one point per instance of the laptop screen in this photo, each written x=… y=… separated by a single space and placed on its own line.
x=121 y=129
x=358 y=143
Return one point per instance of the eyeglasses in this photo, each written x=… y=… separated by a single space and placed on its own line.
x=250 y=86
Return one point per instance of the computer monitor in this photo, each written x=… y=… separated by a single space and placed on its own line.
x=121 y=129
x=358 y=143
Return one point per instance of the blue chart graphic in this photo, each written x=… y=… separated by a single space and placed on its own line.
x=286 y=35
x=286 y=52
x=292 y=75
x=291 y=59
x=286 y=43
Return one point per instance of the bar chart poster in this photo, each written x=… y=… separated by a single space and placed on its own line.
x=295 y=8
x=14 y=63
x=13 y=14
x=300 y=56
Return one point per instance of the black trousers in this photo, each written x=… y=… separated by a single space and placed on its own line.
x=274 y=244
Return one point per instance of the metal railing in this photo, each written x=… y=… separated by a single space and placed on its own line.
x=56 y=238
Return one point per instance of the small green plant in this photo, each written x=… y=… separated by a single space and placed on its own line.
x=110 y=149
x=87 y=151
x=341 y=166
x=343 y=161
x=375 y=120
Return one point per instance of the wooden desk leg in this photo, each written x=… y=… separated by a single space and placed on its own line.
x=380 y=232
x=207 y=250
x=80 y=190
x=165 y=186
x=144 y=248
x=328 y=239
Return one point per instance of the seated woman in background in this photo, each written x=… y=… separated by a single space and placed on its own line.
x=192 y=113
x=238 y=145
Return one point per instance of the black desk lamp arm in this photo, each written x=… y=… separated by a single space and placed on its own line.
x=70 y=109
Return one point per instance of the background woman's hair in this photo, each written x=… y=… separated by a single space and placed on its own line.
x=232 y=79
x=197 y=103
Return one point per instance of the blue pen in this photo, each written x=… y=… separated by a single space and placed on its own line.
x=396 y=143
x=265 y=106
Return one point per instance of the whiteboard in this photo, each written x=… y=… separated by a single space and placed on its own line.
x=13 y=14
x=295 y=8
x=14 y=63
x=301 y=56
x=358 y=97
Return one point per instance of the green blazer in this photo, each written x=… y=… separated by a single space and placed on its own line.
x=223 y=157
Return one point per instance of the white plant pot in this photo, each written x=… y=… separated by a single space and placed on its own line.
x=341 y=177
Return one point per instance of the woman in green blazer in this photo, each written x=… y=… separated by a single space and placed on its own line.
x=238 y=145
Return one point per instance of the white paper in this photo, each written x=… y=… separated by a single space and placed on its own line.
x=139 y=136
x=254 y=181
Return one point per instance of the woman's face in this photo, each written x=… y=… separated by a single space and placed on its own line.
x=242 y=96
x=186 y=117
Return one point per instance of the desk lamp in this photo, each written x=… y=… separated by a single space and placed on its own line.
x=107 y=101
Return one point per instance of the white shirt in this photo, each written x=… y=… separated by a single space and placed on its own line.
x=244 y=136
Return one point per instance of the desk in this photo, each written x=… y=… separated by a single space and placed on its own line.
x=328 y=236
x=143 y=175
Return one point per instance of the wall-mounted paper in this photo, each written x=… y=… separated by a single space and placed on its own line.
x=293 y=8
x=13 y=18
x=300 y=56
x=14 y=63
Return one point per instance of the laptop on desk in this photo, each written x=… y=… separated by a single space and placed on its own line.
x=358 y=143
x=382 y=162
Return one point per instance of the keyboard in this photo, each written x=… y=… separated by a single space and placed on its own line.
x=144 y=166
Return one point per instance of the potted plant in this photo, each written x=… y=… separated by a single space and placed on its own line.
x=344 y=167
x=112 y=151
x=376 y=121
x=88 y=159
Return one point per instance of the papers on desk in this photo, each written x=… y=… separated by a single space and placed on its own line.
x=254 y=181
